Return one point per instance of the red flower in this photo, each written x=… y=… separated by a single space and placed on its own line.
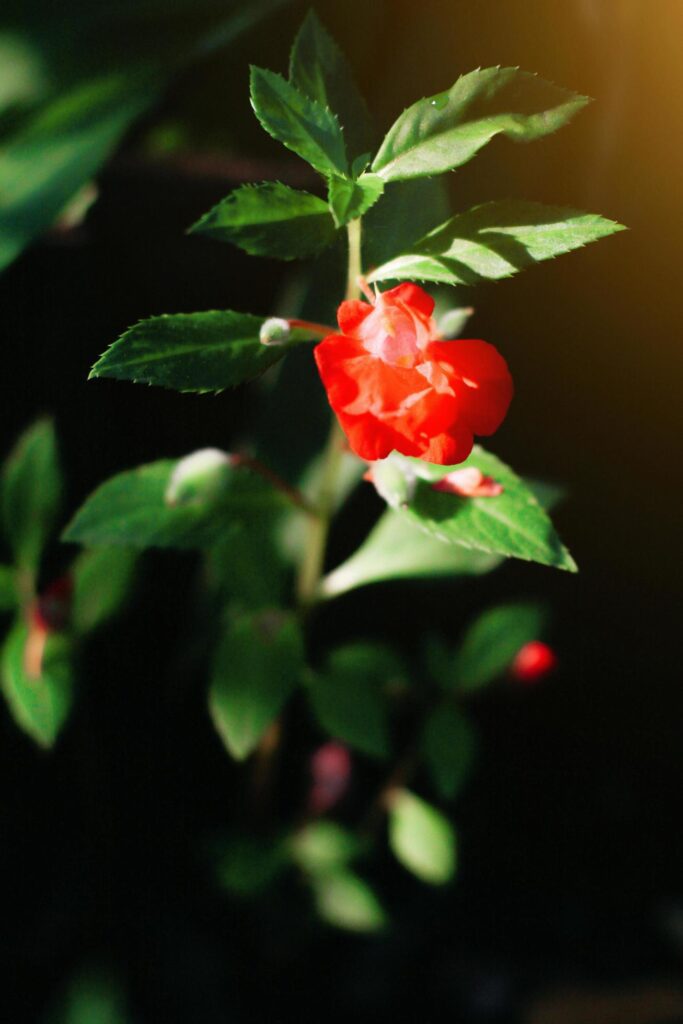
x=396 y=387
x=533 y=662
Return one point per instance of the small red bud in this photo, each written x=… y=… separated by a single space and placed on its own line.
x=533 y=662
x=331 y=772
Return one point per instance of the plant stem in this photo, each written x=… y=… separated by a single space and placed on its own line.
x=312 y=564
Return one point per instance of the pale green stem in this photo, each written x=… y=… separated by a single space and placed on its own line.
x=311 y=569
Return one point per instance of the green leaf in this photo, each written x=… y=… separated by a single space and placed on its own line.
x=319 y=70
x=301 y=124
x=93 y=997
x=495 y=240
x=409 y=209
x=39 y=706
x=351 y=199
x=131 y=509
x=513 y=524
x=395 y=549
x=59 y=149
x=323 y=846
x=346 y=901
x=271 y=220
x=31 y=493
x=445 y=131
x=193 y=351
x=257 y=666
x=102 y=579
x=448 y=745
x=247 y=866
x=348 y=699
x=492 y=642
x=246 y=565
x=8 y=589
x=421 y=838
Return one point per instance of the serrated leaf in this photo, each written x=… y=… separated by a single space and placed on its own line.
x=448 y=745
x=421 y=838
x=348 y=700
x=39 y=706
x=346 y=901
x=409 y=209
x=323 y=846
x=131 y=510
x=492 y=641
x=270 y=220
x=31 y=483
x=445 y=131
x=102 y=579
x=257 y=666
x=351 y=199
x=301 y=124
x=58 y=149
x=513 y=524
x=8 y=589
x=319 y=70
x=202 y=352
x=496 y=240
x=396 y=549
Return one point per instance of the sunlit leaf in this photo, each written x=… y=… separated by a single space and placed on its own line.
x=445 y=131
x=350 y=199
x=495 y=240
x=323 y=846
x=346 y=901
x=421 y=838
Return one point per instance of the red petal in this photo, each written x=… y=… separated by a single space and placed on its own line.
x=411 y=295
x=351 y=315
x=449 y=449
x=481 y=380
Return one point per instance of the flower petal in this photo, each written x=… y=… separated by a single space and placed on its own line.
x=480 y=378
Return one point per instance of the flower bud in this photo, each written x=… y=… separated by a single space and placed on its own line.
x=533 y=662
x=199 y=478
x=275 y=331
x=331 y=774
x=395 y=483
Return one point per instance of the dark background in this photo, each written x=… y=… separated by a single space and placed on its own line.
x=569 y=832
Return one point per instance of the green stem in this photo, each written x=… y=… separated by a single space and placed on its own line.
x=311 y=568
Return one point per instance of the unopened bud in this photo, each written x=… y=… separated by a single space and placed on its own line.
x=199 y=478
x=533 y=662
x=275 y=331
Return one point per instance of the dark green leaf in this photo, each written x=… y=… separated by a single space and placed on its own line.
x=320 y=71
x=38 y=705
x=493 y=640
x=409 y=209
x=348 y=698
x=59 y=149
x=8 y=589
x=246 y=865
x=257 y=666
x=351 y=199
x=193 y=351
x=445 y=131
x=421 y=838
x=299 y=123
x=346 y=901
x=448 y=745
x=495 y=240
x=270 y=220
x=247 y=567
x=102 y=579
x=31 y=493
x=132 y=510
x=512 y=524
